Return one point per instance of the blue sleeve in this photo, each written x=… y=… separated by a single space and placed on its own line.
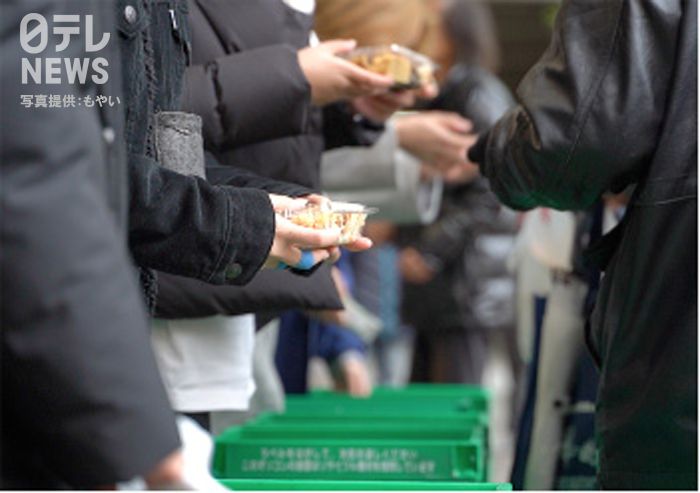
x=329 y=341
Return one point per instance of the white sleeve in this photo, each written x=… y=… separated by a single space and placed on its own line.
x=382 y=176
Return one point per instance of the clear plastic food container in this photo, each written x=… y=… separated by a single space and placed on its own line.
x=346 y=216
x=408 y=68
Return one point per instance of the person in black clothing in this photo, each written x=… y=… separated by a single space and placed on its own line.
x=274 y=118
x=612 y=103
x=82 y=402
x=182 y=224
x=456 y=291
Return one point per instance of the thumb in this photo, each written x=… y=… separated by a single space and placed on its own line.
x=339 y=46
x=304 y=237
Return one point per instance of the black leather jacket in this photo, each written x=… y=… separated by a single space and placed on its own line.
x=613 y=102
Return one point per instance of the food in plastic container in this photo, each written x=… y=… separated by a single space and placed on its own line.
x=346 y=216
x=408 y=68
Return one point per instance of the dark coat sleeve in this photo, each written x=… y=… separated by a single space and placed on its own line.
x=186 y=226
x=590 y=110
x=219 y=174
x=247 y=97
x=270 y=290
x=342 y=127
x=80 y=387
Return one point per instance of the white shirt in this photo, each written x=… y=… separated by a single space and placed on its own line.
x=206 y=363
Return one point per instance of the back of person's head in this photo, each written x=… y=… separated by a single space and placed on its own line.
x=374 y=22
x=471 y=30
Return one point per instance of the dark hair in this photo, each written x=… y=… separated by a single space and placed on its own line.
x=471 y=27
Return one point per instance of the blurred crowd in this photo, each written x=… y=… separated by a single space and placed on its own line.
x=155 y=293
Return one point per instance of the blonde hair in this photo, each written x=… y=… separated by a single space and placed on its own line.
x=410 y=23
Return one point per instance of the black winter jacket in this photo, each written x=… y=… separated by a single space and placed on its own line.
x=246 y=84
x=613 y=102
x=82 y=401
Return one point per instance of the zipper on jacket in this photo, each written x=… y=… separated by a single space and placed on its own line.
x=179 y=35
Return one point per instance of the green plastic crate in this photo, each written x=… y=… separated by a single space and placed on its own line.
x=239 y=455
x=311 y=485
x=472 y=427
x=478 y=396
x=384 y=404
x=426 y=419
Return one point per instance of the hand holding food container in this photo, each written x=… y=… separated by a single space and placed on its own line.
x=333 y=78
x=411 y=72
x=309 y=231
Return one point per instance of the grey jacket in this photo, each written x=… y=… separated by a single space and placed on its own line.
x=611 y=103
x=82 y=401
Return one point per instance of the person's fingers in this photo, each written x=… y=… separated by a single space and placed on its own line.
x=303 y=259
x=365 y=79
x=360 y=244
x=428 y=91
x=307 y=237
x=282 y=202
x=453 y=146
x=456 y=122
x=334 y=254
x=168 y=472
x=319 y=200
x=338 y=46
x=455 y=139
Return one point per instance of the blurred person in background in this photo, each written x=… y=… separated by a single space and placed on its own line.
x=610 y=104
x=457 y=292
x=400 y=173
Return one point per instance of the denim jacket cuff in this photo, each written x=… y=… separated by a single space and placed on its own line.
x=250 y=230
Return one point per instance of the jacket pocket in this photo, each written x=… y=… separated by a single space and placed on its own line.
x=178 y=140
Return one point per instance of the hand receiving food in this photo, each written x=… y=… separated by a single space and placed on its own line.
x=300 y=247
x=437 y=138
x=309 y=230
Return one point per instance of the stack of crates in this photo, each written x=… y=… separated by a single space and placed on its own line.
x=420 y=437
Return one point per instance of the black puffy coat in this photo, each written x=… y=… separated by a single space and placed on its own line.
x=246 y=83
x=612 y=103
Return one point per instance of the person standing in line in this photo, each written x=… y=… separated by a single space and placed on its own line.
x=82 y=402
